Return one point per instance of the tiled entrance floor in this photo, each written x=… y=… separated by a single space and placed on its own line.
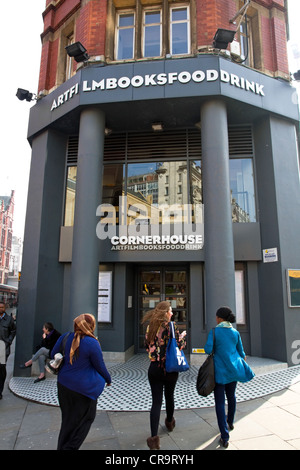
x=130 y=390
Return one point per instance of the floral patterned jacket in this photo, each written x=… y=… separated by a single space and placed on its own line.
x=157 y=349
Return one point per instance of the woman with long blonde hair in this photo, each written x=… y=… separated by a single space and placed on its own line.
x=156 y=341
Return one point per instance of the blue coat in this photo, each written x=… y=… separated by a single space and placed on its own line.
x=88 y=374
x=229 y=355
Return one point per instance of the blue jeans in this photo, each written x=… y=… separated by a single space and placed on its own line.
x=220 y=391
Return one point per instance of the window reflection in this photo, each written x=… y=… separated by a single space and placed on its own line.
x=242 y=190
x=160 y=190
x=125 y=32
x=152 y=34
x=179 y=30
x=70 y=196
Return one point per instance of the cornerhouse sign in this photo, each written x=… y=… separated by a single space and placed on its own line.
x=161 y=79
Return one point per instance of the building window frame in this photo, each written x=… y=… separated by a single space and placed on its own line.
x=118 y=29
x=246 y=42
x=167 y=24
x=176 y=22
x=146 y=26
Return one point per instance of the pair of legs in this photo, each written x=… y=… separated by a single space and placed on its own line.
x=41 y=355
x=161 y=382
x=220 y=391
x=2 y=377
x=77 y=415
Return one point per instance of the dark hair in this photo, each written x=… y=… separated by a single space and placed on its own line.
x=48 y=325
x=226 y=314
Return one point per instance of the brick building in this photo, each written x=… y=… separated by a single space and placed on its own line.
x=6 y=223
x=164 y=166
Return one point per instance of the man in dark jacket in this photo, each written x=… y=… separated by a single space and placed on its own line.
x=7 y=334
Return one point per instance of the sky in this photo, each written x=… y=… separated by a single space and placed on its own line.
x=22 y=25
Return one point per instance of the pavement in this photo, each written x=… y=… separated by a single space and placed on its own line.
x=269 y=422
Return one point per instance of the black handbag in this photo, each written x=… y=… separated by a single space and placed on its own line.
x=206 y=374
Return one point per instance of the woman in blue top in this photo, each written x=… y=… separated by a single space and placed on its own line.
x=230 y=368
x=80 y=381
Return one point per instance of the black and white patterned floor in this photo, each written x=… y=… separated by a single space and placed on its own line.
x=130 y=390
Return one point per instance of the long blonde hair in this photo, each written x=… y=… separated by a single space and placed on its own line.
x=156 y=317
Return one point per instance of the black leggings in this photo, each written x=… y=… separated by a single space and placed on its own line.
x=78 y=413
x=161 y=381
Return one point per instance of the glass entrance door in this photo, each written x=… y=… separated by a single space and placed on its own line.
x=162 y=283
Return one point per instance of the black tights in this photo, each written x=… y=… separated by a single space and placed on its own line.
x=161 y=381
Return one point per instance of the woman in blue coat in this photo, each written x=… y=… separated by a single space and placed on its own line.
x=230 y=368
x=80 y=381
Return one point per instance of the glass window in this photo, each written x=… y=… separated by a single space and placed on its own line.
x=245 y=42
x=242 y=190
x=179 y=31
x=240 y=296
x=113 y=183
x=69 y=60
x=70 y=196
x=125 y=36
x=152 y=34
x=196 y=182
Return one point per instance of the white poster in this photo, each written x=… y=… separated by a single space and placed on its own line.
x=104 y=296
x=270 y=255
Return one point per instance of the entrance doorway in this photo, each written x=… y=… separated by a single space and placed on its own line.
x=158 y=283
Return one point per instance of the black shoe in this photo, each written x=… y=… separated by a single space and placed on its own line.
x=39 y=379
x=223 y=443
x=1 y=396
x=22 y=366
x=231 y=427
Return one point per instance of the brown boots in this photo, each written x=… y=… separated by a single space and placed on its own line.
x=153 y=442
x=170 y=425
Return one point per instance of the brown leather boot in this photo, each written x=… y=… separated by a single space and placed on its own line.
x=153 y=442
x=170 y=425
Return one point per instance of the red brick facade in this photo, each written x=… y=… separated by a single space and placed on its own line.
x=88 y=21
x=6 y=222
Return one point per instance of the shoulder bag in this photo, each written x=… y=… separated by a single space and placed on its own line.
x=206 y=374
x=175 y=359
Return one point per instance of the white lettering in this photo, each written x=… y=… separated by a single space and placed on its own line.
x=198 y=76
x=184 y=77
x=259 y=89
x=100 y=85
x=172 y=76
x=149 y=80
x=161 y=79
x=111 y=83
x=124 y=82
x=137 y=81
x=85 y=86
x=225 y=77
x=212 y=75
x=234 y=80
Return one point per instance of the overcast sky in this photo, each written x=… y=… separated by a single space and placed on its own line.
x=20 y=69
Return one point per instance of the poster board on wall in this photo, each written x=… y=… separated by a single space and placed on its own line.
x=293 y=287
x=105 y=297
